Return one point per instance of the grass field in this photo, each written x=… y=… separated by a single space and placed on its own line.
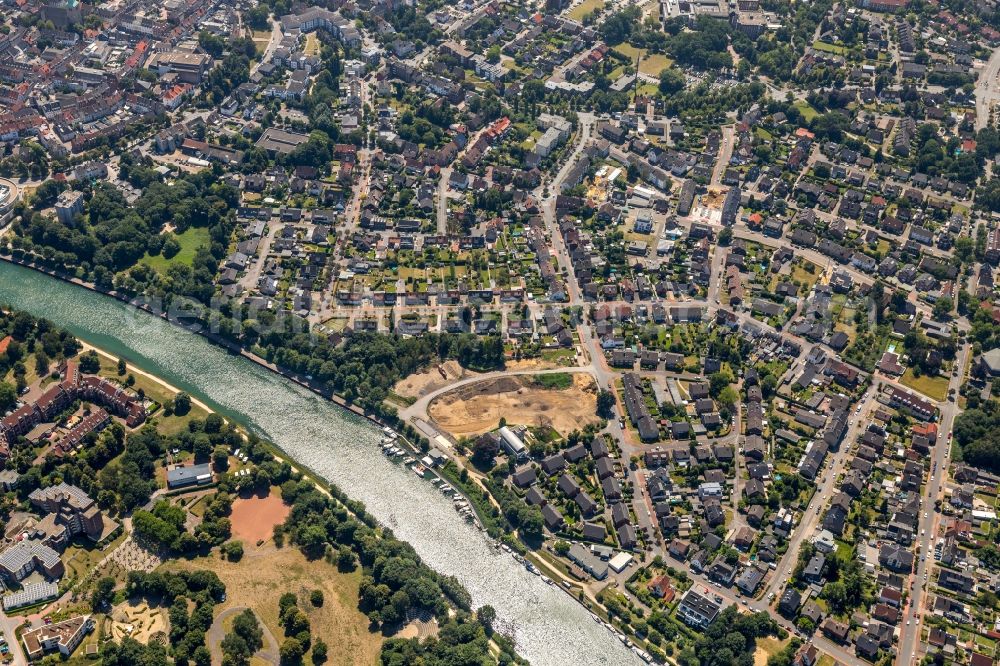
x=261 y=577
x=260 y=39
x=30 y=374
x=767 y=647
x=559 y=356
x=337 y=324
x=168 y=425
x=584 y=8
x=651 y=64
x=805 y=108
x=189 y=241
x=80 y=557
x=647 y=89
x=312 y=44
x=559 y=380
x=654 y=63
x=829 y=48
x=197 y=508
x=802 y=275
x=932 y=387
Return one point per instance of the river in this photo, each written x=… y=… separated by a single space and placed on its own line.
x=549 y=627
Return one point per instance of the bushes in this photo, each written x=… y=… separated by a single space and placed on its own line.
x=977 y=432
x=319 y=652
x=395 y=580
x=233 y=551
x=187 y=631
x=365 y=368
x=243 y=641
x=103 y=593
x=131 y=651
x=164 y=527
x=298 y=636
x=90 y=362
x=460 y=640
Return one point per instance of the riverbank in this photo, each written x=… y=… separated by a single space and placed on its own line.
x=86 y=346
x=452 y=479
x=234 y=348
x=339 y=620
x=227 y=344
x=343 y=451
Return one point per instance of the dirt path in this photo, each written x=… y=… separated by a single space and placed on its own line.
x=153 y=378
x=217 y=632
x=264 y=573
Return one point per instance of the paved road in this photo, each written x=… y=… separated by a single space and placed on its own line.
x=442 y=200
x=272 y=44
x=824 y=492
x=987 y=90
x=252 y=277
x=909 y=639
x=586 y=123
x=725 y=154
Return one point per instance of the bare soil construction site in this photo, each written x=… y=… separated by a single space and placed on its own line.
x=478 y=408
x=431 y=379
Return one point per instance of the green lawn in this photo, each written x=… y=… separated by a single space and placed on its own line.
x=584 y=8
x=30 y=371
x=805 y=108
x=647 y=89
x=802 y=274
x=654 y=63
x=767 y=647
x=81 y=557
x=933 y=387
x=189 y=241
x=561 y=356
x=651 y=64
x=829 y=48
x=312 y=44
x=628 y=51
x=558 y=380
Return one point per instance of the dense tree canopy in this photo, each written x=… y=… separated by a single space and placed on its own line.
x=394 y=581
x=111 y=236
x=977 y=432
x=367 y=365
